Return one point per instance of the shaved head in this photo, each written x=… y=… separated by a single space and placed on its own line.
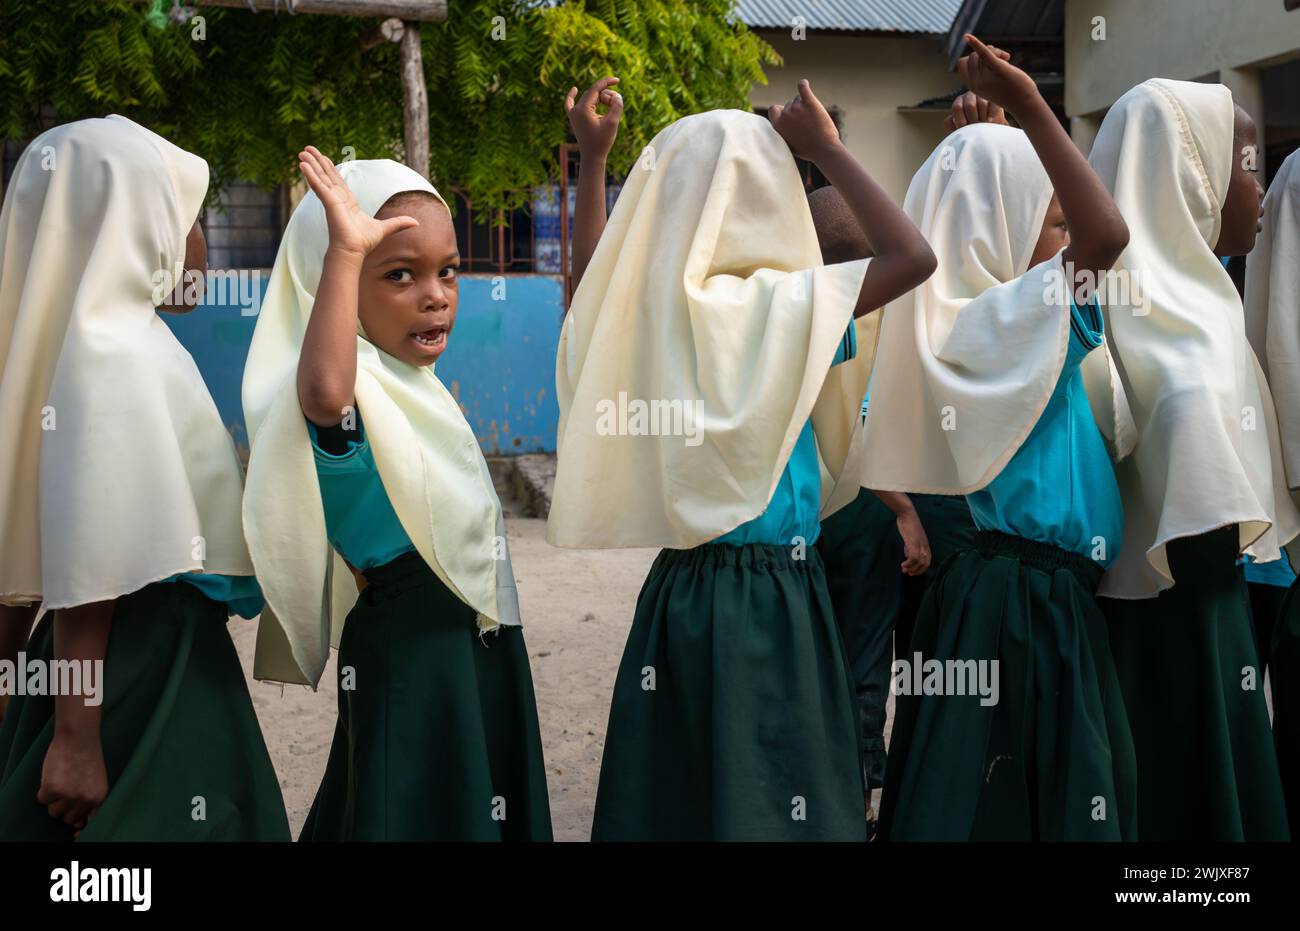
x=838 y=231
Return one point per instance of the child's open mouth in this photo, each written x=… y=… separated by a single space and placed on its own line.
x=431 y=341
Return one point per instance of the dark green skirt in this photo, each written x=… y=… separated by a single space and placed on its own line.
x=732 y=716
x=862 y=552
x=950 y=530
x=178 y=725
x=1206 y=764
x=1052 y=758
x=437 y=735
x=1284 y=676
x=1265 y=611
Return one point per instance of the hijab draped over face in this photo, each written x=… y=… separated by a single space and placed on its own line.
x=705 y=308
x=116 y=470
x=968 y=361
x=1207 y=452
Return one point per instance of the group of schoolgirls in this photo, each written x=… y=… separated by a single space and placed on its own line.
x=1061 y=485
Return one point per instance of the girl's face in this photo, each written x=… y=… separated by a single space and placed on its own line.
x=1242 y=208
x=196 y=266
x=408 y=290
x=1054 y=235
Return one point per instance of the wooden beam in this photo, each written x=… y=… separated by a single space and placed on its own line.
x=415 y=101
x=421 y=11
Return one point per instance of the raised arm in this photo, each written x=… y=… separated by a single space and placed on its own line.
x=1098 y=233
x=327 y=367
x=595 y=134
x=903 y=258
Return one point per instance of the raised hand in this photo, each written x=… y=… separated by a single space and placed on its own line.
x=968 y=108
x=805 y=125
x=351 y=228
x=988 y=73
x=595 y=132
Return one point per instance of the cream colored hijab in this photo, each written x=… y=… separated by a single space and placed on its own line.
x=1273 y=306
x=706 y=291
x=426 y=453
x=116 y=470
x=1207 y=453
x=968 y=361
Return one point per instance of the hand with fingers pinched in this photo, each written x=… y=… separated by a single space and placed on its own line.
x=351 y=229
x=595 y=131
x=805 y=125
x=968 y=108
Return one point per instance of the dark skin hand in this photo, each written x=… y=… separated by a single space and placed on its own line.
x=595 y=133
x=74 y=780
x=903 y=258
x=916 y=546
x=1243 y=207
x=968 y=108
x=1098 y=233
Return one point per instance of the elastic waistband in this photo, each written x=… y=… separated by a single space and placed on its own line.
x=759 y=556
x=399 y=575
x=1043 y=556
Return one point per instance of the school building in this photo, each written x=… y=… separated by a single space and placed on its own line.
x=1252 y=46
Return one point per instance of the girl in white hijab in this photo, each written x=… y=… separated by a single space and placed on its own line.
x=1205 y=481
x=119 y=508
x=362 y=460
x=1273 y=326
x=1009 y=724
x=732 y=716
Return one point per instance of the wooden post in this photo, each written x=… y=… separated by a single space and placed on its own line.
x=415 y=95
x=415 y=101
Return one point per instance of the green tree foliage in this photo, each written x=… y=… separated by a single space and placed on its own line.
x=259 y=86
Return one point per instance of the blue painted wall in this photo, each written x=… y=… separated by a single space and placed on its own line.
x=500 y=363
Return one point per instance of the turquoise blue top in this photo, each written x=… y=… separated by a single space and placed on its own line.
x=240 y=593
x=1059 y=487
x=1278 y=572
x=359 y=519
x=793 y=512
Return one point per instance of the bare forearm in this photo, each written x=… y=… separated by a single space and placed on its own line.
x=80 y=635
x=896 y=501
x=15 y=625
x=1098 y=233
x=589 y=214
x=327 y=367
x=903 y=258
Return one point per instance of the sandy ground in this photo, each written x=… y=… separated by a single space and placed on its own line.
x=577 y=608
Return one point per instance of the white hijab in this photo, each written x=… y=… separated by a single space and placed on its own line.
x=428 y=458
x=706 y=292
x=1207 y=452
x=968 y=361
x=1273 y=306
x=116 y=470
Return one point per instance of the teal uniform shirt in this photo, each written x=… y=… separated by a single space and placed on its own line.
x=239 y=593
x=1060 y=487
x=1277 y=573
x=359 y=519
x=795 y=508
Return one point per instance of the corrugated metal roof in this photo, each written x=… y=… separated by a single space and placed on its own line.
x=915 y=16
